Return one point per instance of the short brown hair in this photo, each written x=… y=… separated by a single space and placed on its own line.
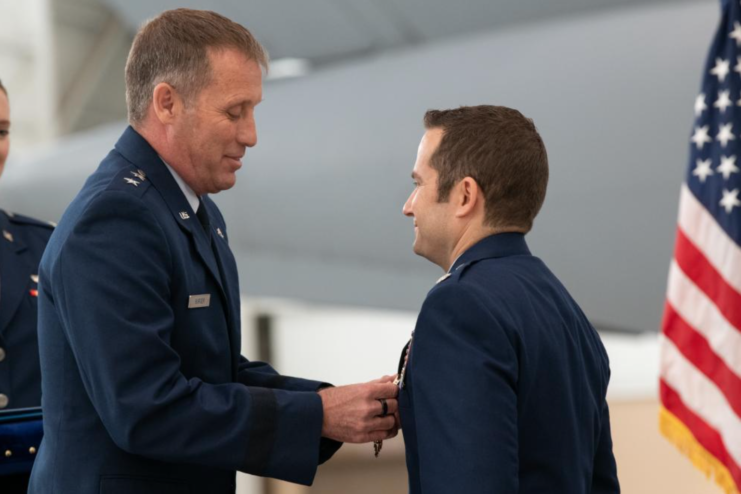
x=502 y=151
x=173 y=48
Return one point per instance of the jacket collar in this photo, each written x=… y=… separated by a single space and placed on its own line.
x=493 y=246
x=141 y=154
x=13 y=243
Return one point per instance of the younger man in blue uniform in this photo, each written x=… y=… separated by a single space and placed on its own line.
x=503 y=383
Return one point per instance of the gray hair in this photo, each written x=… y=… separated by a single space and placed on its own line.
x=173 y=48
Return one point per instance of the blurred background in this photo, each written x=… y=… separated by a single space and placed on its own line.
x=330 y=284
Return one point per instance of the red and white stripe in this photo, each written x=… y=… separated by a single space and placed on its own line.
x=701 y=343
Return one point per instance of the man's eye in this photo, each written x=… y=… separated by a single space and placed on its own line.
x=4 y=133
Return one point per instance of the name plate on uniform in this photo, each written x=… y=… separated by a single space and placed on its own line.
x=199 y=301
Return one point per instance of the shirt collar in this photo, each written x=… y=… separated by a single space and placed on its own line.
x=191 y=196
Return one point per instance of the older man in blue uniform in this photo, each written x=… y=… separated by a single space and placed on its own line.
x=503 y=382
x=144 y=388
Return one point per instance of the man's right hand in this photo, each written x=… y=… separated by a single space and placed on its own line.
x=352 y=414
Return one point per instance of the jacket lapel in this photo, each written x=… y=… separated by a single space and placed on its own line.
x=12 y=268
x=229 y=276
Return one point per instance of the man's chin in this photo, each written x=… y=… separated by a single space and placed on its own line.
x=225 y=185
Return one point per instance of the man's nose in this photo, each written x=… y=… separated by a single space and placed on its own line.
x=247 y=133
x=407 y=209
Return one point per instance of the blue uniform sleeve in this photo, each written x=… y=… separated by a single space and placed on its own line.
x=605 y=479
x=463 y=369
x=261 y=374
x=111 y=289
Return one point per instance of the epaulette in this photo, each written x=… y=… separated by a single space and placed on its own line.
x=131 y=180
x=19 y=219
x=461 y=270
x=453 y=275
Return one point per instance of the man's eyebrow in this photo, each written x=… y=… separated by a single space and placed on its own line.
x=4 y=122
x=242 y=102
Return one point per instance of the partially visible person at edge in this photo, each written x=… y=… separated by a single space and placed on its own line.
x=503 y=383
x=144 y=388
x=21 y=245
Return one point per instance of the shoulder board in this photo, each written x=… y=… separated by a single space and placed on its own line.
x=130 y=179
x=19 y=219
x=461 y=270
x=453 y=276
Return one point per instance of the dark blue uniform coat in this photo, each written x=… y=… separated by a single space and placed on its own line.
x=142 y=393
x=22 y=241
x=506 y=381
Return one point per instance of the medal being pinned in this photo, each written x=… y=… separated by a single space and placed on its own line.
x=399 y=381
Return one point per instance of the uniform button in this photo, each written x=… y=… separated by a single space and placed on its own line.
x=32 y=450
x=3 y=400
x=2 y=354
x=8 y=453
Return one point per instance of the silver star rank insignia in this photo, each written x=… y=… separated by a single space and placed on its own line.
x=140 y=175
x=219 y=232
x=184 y=215
x=8 y=236
x=131 y=181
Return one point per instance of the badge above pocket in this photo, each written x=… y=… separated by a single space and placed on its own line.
x=199 y=301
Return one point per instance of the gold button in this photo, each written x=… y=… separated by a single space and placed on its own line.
x=3 y=400
x=8 y=454
x=2 y=354
x=32 y=450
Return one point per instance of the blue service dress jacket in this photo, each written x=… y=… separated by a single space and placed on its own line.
x=21 y=245
x=144 y=388
x=22 y=242
x=505 y=384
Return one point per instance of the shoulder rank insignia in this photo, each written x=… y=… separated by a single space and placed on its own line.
x=219 y=232
x=131 y=181
x=8 y=236
x=184 y=215
x=35 y=278
x=140 y=175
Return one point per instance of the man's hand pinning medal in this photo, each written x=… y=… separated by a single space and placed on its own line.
x=361 y=413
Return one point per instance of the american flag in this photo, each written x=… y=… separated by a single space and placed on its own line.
x=700 y=377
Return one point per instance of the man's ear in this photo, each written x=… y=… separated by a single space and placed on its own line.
x=166 y=103
x=467 y=196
